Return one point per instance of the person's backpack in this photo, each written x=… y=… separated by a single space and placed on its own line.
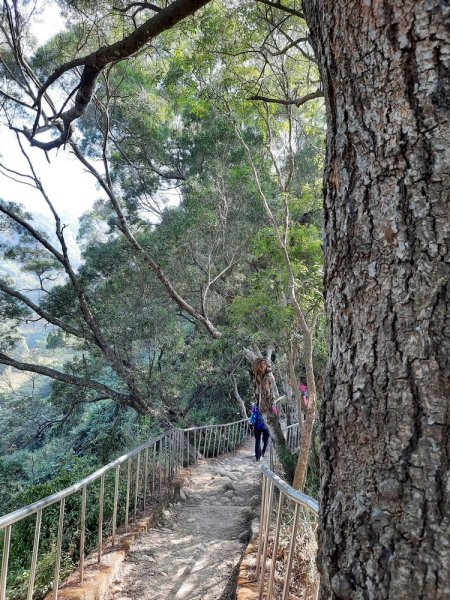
x=259 y=421
x=252 y=419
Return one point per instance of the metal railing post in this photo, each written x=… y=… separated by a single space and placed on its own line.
x=170 y=454
x=291 y=554
x=266 y=537
x=200 y=434
x=161 y=464
x=5 y=559
x=116 y=501
x=37 y=532
x=261 y=523
x=127 y=501
x=82 y=530
x=58 y=550
x=154 y=469
x=216 y=429
x=275 y=545
x=144 y=500
x=166 y=460
x=210 y=430
x=100 y=517
x=195 y=446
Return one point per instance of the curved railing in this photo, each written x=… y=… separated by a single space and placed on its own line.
x=290 y=502
x=149 y=469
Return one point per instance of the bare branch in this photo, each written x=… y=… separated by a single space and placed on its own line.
x=14 y=99
x=37 y=236
x=238 y=396
x=288 y=46
x=213 y=280
x=287 y=102
x=280 y=6
x=141 y=5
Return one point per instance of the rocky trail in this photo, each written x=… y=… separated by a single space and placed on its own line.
x=195 y=550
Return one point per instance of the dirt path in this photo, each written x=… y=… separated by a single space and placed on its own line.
x=195 y=549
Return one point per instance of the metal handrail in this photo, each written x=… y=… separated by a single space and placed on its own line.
x=30 y=509
x=171 y=451
x=293 y=495
x=287 y=495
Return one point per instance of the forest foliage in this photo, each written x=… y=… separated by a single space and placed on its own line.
x=166 y=128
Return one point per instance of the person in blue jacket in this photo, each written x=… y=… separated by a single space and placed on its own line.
x=260 y=430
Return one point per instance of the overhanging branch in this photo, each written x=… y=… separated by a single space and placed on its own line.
x=65 y=378
x=46 y=315
x=287 y=101
x=94 y=63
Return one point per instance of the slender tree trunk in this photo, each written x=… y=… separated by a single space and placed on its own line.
x=384 y=517
x=238 y=397
x=288 y=387
x=307 y=428
x=294 y=383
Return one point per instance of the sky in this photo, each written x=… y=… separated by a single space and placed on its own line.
x=70 y=188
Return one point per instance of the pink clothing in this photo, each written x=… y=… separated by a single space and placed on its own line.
x=303 y=393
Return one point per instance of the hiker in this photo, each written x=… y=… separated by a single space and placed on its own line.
x=302 y=388
x=259 y=429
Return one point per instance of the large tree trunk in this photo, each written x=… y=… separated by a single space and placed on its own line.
x=384 y=518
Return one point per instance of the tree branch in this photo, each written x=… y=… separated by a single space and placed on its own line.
x=67 y=378
x=286 y=101
x=238 y=396
x=277 y=4
x=141 y=5
x=46 y=315
x=94 y=63
x=147 y=259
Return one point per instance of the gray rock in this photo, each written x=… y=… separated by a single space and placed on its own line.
x=228 y=486
x=245 y=536
x=228 y=474
x=148 y=558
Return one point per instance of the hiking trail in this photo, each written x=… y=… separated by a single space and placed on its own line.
x=194 y=551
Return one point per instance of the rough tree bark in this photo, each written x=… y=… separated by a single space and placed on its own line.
x=384 y=517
